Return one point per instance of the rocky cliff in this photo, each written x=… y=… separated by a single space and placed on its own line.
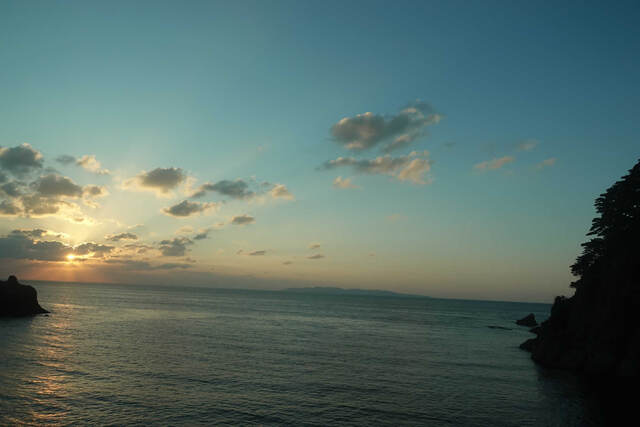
x=596 y=331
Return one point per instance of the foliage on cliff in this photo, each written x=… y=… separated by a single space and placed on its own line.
x=617 y=228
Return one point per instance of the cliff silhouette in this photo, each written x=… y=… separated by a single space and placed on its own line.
x=17 y=299
x=596 y=331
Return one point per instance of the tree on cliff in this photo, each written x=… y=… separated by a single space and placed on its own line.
x=616 y=230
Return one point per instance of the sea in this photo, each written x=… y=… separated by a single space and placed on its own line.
x=173 y=355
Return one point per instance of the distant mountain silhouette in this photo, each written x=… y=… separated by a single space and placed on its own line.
x=17 y=299
x=596 y=331
x=328 y=290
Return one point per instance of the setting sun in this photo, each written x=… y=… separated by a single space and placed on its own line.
x=71 y=257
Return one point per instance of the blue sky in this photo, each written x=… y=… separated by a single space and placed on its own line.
x=253 y=90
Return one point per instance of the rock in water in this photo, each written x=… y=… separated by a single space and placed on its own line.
x=18 y=300
x=528 y=320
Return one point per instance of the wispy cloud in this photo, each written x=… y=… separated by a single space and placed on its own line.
x=494 y=164
x=121 y=236
x=527 y=145
x=547 y=163
x=242 y=220
x=238 y=189
x=413 y=167
x=252 y=253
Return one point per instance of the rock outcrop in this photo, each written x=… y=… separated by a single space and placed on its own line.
x=596 y=331
x=17 y=299
x=528 y=320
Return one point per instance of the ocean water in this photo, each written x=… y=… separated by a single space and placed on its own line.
x=140 y=355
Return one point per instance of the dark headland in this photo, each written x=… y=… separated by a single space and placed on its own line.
x=17 y=299
x=596 y=331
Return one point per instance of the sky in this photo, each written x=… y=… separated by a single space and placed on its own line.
x=451 y=149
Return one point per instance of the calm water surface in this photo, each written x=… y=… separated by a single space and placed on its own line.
x=116 y=354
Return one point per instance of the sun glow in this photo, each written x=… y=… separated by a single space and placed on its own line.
x=71 y=257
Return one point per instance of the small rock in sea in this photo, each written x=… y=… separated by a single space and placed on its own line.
x=528 y=320
x=17 y=299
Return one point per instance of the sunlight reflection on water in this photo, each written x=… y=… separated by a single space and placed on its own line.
x=126 y=355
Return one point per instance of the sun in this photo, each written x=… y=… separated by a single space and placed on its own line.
x=71 y=257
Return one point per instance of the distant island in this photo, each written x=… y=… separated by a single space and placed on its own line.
x=329 y=290
x=596 y=331
x=17 y=299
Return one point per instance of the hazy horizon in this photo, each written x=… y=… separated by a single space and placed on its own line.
x=446 y=149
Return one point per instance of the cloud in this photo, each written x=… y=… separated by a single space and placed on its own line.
x=36 y=233
x=136 y=265
x=20 y=160
x=187 y=229
x=527 y=145
x=21 y=246
x=412 y=167
x=237 y=189
x=53 y=185
x=175 y=247
x=47 y=197
x=279 y=191
x=92 y=192
x=252 y=253
x=12 y=189
x=139 y=248
x=547 y=163
x=344 y=183
x=186 y=208
x=171 y=266
x=89 y=163
x=202 y=234
x=121 y=236
x=47 y=194
x=367 y=130
x=96 y=250
x=287 y=262
x=160 y=181
x=8 y=208
x=65 y=159
x=314 y=246
x=242 y=220
x=38 y=205
x=494 y=164
x=316 y=256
